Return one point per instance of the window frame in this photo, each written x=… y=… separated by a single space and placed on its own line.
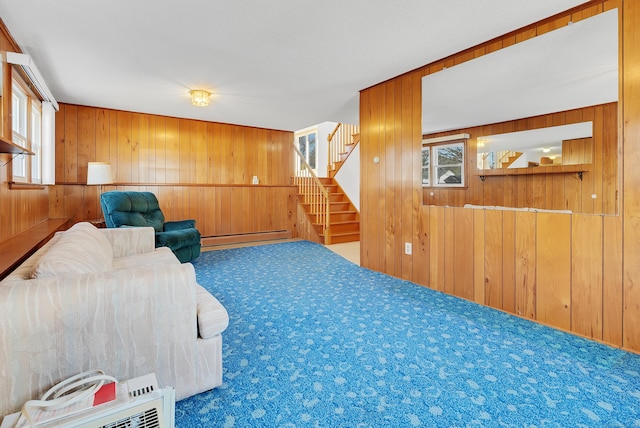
x=305 y=133
x=433 y=166
x=24 y=137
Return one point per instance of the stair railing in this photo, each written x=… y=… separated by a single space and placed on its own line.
x=338 y=140
x=503 y=157
x=314 y=194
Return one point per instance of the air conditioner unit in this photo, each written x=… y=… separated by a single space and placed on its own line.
x=139 y=403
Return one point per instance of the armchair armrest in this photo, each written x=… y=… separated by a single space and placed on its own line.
x=178 y=225
x=127 y=241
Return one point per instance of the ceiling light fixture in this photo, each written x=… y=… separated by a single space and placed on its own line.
x=200 y=98
x=546 y=150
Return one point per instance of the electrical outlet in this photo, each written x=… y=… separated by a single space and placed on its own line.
x=407 y=248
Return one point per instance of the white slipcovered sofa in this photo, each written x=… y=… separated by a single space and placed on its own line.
x=106 y=299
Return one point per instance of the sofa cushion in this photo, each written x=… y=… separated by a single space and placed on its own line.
x=159 y=257
x=136 y=219
x=213 y=318
x=81 y=249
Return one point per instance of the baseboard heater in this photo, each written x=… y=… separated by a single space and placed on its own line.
x=241 y=238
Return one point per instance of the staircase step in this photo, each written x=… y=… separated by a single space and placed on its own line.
x=339 y=206
x=337 y=197
x=339 y=238
x=345 y=226
x=336 y=217
x=333 y=198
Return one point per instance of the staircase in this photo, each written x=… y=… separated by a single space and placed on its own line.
x=335 y=166
x=343 y=223
x=507 y=157
x=325 y=213
x=341 y=142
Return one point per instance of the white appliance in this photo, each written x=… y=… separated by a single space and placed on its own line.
x=139 y=403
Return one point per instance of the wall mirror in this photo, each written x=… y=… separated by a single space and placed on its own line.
x=551 y=146
x=564 y=81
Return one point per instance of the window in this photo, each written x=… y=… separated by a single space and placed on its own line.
x=426 y=165
x=443 y=165
x=36 y=143
x=307 y=143
x=19 y=126
x=26 y=111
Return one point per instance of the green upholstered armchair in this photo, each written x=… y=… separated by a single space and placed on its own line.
x=139 y=209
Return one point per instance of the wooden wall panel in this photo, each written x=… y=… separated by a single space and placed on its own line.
x=612 y=300
x=586 y=276
x=422 y=249
x=631 y=177
x=436 y=248
x=493 y=241
x=577 y=272
x=479 y=283
x=19 y=209
x=218 y=210
x=462 y=254
x=508 y=261
x=198 y=170
x=525 y=265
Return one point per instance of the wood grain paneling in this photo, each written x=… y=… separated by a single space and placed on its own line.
x=525 y=265
x=586 y=276
x=576 y=272
x=631 y=177
x=199 y=170
x=20 y=209
x=553 y=269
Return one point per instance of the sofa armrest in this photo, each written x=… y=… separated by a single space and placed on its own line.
x=128 y=241
x=127 y=322
x=213 y=318
x=179 y=225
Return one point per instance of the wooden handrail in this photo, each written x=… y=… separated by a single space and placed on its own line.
x=338 y=140
x=315 y=194
x=333 y=133
x=505 y=154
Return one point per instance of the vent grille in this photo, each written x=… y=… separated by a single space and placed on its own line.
x=141 y=391
x=146 y=419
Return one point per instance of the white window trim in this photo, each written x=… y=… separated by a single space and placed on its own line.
x=307 y=132
x=46 y=162
x=433 y=144
x=435 y=166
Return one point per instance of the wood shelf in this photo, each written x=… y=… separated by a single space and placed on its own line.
x=534 y=170
x=7 y=146
x=18 y=248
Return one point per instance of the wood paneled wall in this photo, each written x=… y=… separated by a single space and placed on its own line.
x=19 y=209
x=548 y=191
x=200 y=170
x=577 y=272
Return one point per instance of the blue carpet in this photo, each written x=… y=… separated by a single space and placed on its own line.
x=310 y=346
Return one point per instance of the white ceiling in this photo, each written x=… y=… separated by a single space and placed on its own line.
x=273 y=64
